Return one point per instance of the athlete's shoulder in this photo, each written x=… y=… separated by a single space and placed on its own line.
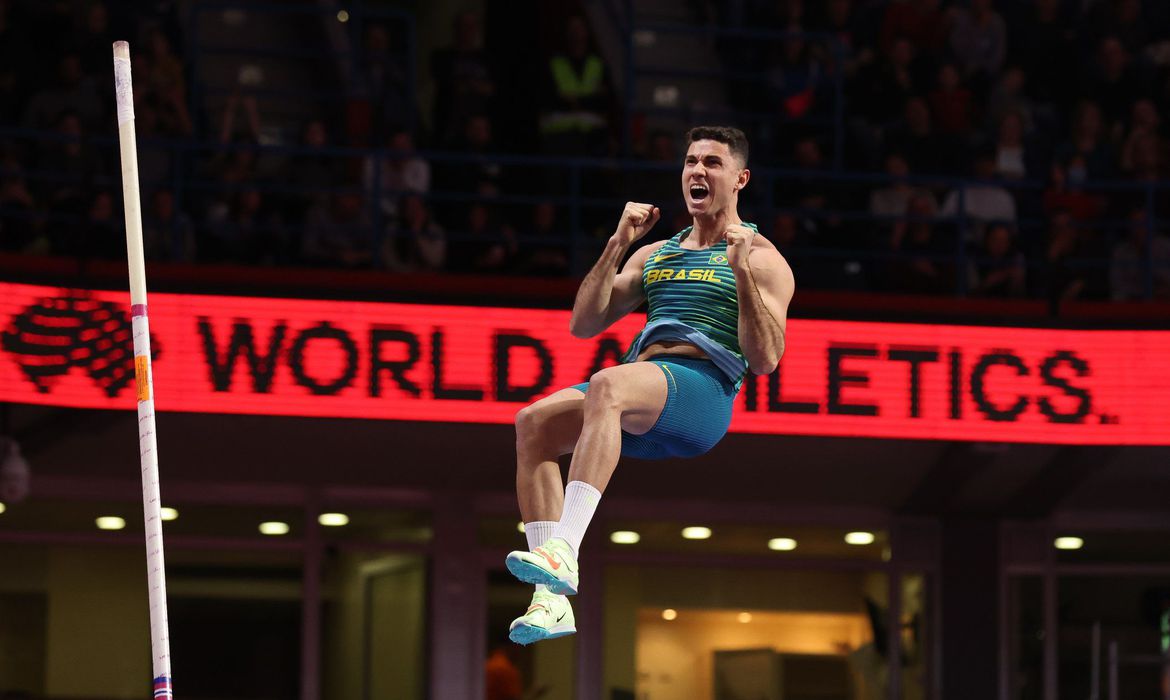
x=765 y=256
x=651 y=248
x=761 y=244
x=761 y=241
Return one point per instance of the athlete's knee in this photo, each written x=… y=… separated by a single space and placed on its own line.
x=604 y=391
x=529 y=421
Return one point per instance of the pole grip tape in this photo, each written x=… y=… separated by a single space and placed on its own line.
x=124 y=90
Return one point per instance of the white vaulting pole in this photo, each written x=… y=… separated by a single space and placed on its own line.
x=147 y=445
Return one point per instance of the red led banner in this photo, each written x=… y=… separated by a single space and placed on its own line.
x=290 y=357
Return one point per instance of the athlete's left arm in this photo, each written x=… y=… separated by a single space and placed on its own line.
x=764 y=286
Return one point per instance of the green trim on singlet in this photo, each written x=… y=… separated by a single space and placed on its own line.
x=691 y=296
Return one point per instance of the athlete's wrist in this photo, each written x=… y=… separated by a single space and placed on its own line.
x=618 y=243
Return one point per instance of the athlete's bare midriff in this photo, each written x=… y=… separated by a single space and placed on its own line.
x=672 y=347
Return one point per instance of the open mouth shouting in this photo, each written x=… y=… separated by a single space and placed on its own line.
x=699 y=193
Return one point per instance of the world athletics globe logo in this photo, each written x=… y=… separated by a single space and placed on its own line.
x=56 y=335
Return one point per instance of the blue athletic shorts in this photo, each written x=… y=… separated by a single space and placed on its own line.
x=699 y=400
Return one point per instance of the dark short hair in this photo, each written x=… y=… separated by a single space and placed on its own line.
x=735 y=139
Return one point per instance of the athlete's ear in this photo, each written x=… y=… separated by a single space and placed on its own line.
x=742 y=180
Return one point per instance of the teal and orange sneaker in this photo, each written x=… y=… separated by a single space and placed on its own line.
x=552 y=564
x=548 y=617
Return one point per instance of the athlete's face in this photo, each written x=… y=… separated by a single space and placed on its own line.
x=711 y=178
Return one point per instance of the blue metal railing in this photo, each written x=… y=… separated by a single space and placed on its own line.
x=590 y=192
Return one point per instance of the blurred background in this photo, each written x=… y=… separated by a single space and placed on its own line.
x=950 y=163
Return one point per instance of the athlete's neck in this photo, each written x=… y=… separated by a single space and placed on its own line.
x=708 y=230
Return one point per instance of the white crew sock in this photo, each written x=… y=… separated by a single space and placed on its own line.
x=581 y=501
x=538 y=532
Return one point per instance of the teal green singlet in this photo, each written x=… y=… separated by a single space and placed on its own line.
x=691 y=296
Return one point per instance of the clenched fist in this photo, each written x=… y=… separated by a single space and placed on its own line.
x=739 y=243
x=637 y=220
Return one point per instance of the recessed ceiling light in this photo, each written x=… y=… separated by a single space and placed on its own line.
x=110 y=522
x=273 y=527
x=744 y=617
x=1069 y=543
x=333 y=519
x=859 y=538
x=669 y=614
x=624 y=537
x=342 y=16
x=782 y=544
x=168 y=513
x=696 y=532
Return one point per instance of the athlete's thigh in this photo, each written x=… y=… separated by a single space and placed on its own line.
x=640 y=389
x=558 y=418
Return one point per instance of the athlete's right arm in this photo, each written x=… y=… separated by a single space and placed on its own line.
x=604 y=297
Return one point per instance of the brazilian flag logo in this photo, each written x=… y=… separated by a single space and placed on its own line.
x=717 y=259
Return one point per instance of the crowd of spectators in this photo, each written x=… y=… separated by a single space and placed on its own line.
x=1054 y=109
x=980 y=129
x=307 y=203
x=59 y=190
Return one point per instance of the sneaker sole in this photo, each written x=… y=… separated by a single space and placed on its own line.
x=530 y=573
x=528 y=634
